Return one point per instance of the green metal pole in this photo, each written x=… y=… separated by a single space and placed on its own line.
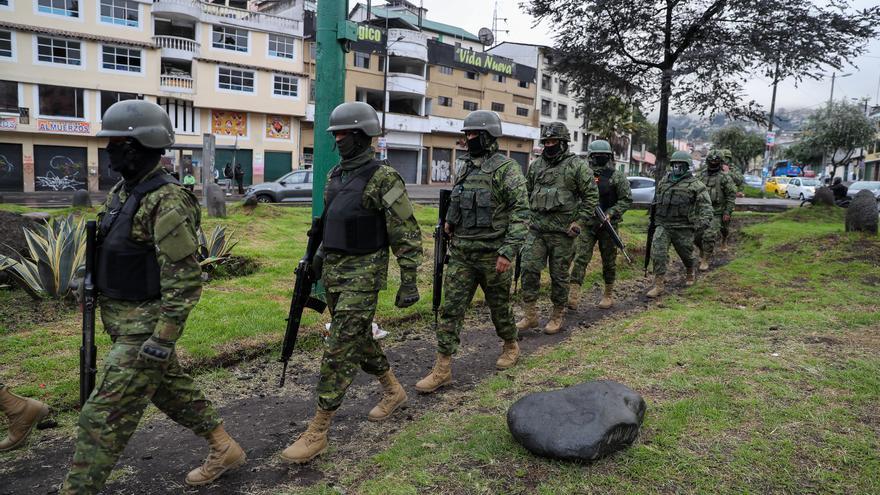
x=329 y=92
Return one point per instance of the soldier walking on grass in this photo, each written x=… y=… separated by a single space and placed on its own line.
x=739 y=182
x=149 y=279
x=487 y=222
x=615 y=198
x=366 y=211
x=681 y=207
x=722 y=192
x=562 y=197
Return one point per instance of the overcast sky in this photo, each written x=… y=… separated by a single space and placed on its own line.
x=474 y=14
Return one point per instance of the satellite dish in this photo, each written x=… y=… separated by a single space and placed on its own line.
x=486 y=36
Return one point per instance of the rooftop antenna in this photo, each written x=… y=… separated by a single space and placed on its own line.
x=495 y=25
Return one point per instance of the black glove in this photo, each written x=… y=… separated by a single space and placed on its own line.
x=156 y=350
x=408 y=293
x=318 y=265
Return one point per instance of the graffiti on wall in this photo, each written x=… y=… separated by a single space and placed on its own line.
x=441 y=165
x=59 y=168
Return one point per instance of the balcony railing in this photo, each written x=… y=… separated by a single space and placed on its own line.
x=255 y=19
x=176 y=82
x=177 y=43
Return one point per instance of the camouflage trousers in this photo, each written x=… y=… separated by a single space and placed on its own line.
x=542 y=249
x=468 y=270
x=681 y=238
x=111 y=414
x=725 y=228
x=584 y=244
x=350 y=345
x=707 y=238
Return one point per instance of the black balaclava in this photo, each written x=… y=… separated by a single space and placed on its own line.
x=713 y=165
x=132 y=160
x=353 y=144
x=480 y=145
x=553 y=152
x=600 y=160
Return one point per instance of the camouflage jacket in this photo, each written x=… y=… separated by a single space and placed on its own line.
x=369 y=272
x=489 y=207
x=722 y=191
x=624 y=198
x=682 y=203
x=181 y=281
x=739 y=180
x=561 y=191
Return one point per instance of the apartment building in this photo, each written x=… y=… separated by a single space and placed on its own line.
x=216 y=67
x=436 y=75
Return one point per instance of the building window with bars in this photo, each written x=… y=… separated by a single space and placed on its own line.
x=444 y=101
x=523 y=84
x=472 y=75
x=497 y=107
x=61 y=101
x=545 y=108
x=59 y=51
x=470 y=105
x=67 y=8
x=546 y=82
x=120 y=12
x=522 y=111
x=562 y=112
x=184 y=117
x=563 y=87
x=285 y=86
x=121 y=59
x=228 y=38
x=446 y=70
x=281 y=46
x=235 y=79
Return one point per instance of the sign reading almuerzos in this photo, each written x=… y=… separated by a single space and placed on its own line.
x=63 y=126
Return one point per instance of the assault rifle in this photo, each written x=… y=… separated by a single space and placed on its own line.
x=652 y=226
x=605 y=222
x=87 y=351
x=441 y=246
x=302 y=295
x=517 y=271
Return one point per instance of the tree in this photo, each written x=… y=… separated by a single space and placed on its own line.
x=645 y=132
x=743 y=144
x=695 y=53
x=803 y=153
x=838 y=131
x=613 y=121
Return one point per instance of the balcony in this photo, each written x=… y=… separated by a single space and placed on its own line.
x=176 y=83
x=222 y=14
x=176 y=47
x=407 y=43
x=187 y=9
x=406 y=83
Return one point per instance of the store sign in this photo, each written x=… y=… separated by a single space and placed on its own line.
x=484 y=62
x=771 y=139
x=63 y=126
x=225 y=123
x=278 y=127
x=9 y=123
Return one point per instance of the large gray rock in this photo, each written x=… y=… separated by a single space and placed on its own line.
x=81 y=198
x=861 y=215
x=216 y=201
x=250 y=201
x=824 y=197
x=583 y=422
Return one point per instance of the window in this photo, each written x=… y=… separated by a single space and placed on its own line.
x=546 y=83
x=563 y=87
x=121 y=58
x=380 y=66
x=229 y=38
x=471 y=75
x=60 y=101
x=67 y=8
x=235 y=79
x=362 y=60
x=522 y=111
x=446 y=70
x=575 y=136
x=444 y=101
x=4 y=3
x=471 y=105
x=562 y=112
x=285 y=86
x=311 y=90
x=58 y=51
x=523 y=84
x=8 y=96
x=184 y=117
x=6 y=44
x=545 y=108
x=110 y=97
x=120 y=12
x=498 y=78
x=313 y=50
x=281 y=46
x=497 y=107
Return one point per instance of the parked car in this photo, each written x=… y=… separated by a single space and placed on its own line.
x=642 y=189
x=871 y=185
x=753 y=181
x=801 y=188
x=294 y=186
x=776 y=185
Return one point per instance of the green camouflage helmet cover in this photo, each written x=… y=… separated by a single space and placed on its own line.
x=556 y=130
x=600 y=146
x=142 y=120
x=483 y=120
x=727 y=155
x=355 y=115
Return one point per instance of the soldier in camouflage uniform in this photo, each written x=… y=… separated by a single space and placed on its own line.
x=562 y=196
x=366 y=211
x=487 y=222
x=615 y=198
x=23 y=415
x=739 y=181
x=722 y=192
x=148 y=279
x=681 y=206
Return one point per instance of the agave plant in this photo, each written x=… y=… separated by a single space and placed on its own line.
x=57 y=254
x=217 y=247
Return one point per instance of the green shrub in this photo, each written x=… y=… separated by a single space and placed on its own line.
x=216 y=248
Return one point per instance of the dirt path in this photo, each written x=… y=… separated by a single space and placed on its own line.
x=265 y=419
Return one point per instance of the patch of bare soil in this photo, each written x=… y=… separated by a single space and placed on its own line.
x=19 y=310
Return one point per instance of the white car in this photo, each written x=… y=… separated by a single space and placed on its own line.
x=801 y=188
x=642 y=189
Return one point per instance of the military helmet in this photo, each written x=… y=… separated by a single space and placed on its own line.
x=714 y=156
x=355 y=115
x=556 y=130
x=726 y=154
x=682 y=156
x=600 y=146
x=142 y=120
x=483 y=120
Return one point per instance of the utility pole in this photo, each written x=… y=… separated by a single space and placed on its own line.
x=768 y=154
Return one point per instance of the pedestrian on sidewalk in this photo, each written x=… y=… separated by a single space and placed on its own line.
x=239 y=178
x=189 y=181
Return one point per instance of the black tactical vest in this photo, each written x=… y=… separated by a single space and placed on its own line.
x=128 y=270
x=349 y=227
x=607 y=191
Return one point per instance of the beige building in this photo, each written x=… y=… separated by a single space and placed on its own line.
x=214 y=66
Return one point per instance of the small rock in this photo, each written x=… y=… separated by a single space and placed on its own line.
x=147 y=457
x=250 y=201
x=81 y=199
x=823 y=196
x=216 y=201
x=47 y=424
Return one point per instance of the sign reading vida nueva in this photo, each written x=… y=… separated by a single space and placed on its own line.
x=484 y=61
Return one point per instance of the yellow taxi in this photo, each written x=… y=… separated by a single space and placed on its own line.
x=776 y=185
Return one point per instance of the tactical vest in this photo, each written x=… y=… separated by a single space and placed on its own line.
x=607 y=190
x=675 y=201
x=713 y=183
x=471 y=205
x=126 y=269
x=551 y=192
x=350 y=228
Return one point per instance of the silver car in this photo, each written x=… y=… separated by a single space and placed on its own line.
x=870 y=185
x=293 y=186
x=752 y=181
x=642 y=189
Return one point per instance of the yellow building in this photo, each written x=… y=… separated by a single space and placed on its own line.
x=214 y=66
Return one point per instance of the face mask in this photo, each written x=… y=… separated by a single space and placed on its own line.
x=552 y=151
x=347 y=146
x=600 y=161
x=678 y=169
x=129 y=158
x=713 y=165
x=475 y=146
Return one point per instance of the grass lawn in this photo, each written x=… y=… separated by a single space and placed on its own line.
x=762 y=378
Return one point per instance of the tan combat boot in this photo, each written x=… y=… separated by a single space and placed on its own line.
x=690 y=277
x=608 y=297
x=23 y=414
x=225 y=455
x=393 y=396
x=574 y=296
x=724 y=244
x=441 y=374
x=313 y=441
x=509 y=355
x=530 y=317
x=704 y=263
x=556 y=319
x=659 y=286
